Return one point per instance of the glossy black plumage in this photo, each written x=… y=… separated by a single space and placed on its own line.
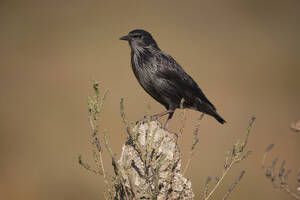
x=163 y=78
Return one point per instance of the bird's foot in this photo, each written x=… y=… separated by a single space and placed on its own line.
x=145 y=120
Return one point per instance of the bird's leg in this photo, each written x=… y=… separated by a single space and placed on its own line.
x=157 y=116
x=169 y=117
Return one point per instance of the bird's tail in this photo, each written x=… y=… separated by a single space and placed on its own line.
x=219 y=118
x=210 y=109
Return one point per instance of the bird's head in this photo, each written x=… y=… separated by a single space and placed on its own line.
x=139 y=39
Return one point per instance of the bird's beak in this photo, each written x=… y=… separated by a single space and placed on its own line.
x=126 y=37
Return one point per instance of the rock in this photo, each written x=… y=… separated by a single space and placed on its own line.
x=152 y=164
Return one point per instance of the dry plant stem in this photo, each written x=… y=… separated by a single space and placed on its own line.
x=247 y=133
x=118 y=170
x=266 y=153
x=102 y=166
x=218 y=183
x=264 y=159
x=277 y=178
x=206 y=186
x=182 y=117
x=289 y=192
x=95 y=107
x=133 y=136
x=86 y=166
x=233 y=185
x=235 y=156
x=95 y=130
x=195 y=141
x=188 y=162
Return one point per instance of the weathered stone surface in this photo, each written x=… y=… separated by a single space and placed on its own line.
x=152 y=165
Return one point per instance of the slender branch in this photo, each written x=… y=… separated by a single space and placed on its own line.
x=234 y=184
x=234 y=156
x=194 y=143
x=86 y=165
x=218 y=183
x=95 y=105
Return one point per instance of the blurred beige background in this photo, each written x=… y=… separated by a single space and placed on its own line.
x=243 y=54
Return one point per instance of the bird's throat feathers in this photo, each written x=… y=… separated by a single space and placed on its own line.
x=142 y=55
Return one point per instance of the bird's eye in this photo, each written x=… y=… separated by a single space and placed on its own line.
x=137 y=36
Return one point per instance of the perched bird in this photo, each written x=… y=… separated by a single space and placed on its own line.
x=164 y=79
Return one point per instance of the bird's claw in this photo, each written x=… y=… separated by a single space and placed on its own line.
x=145 y=120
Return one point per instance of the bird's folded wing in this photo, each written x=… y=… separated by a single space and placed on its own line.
x=174 y=73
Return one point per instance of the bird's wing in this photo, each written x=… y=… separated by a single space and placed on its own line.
x=170 y=70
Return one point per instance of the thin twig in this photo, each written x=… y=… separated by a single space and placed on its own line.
x=218 y=183
x=95 y=105
x=182 y=117
x=233 y=157
x=234 y=184
x=86 y=165
x=289 y=192
x=206 y=186
x=194 y=143
x=269 y=148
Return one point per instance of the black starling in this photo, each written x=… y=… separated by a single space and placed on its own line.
x=164 y=79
